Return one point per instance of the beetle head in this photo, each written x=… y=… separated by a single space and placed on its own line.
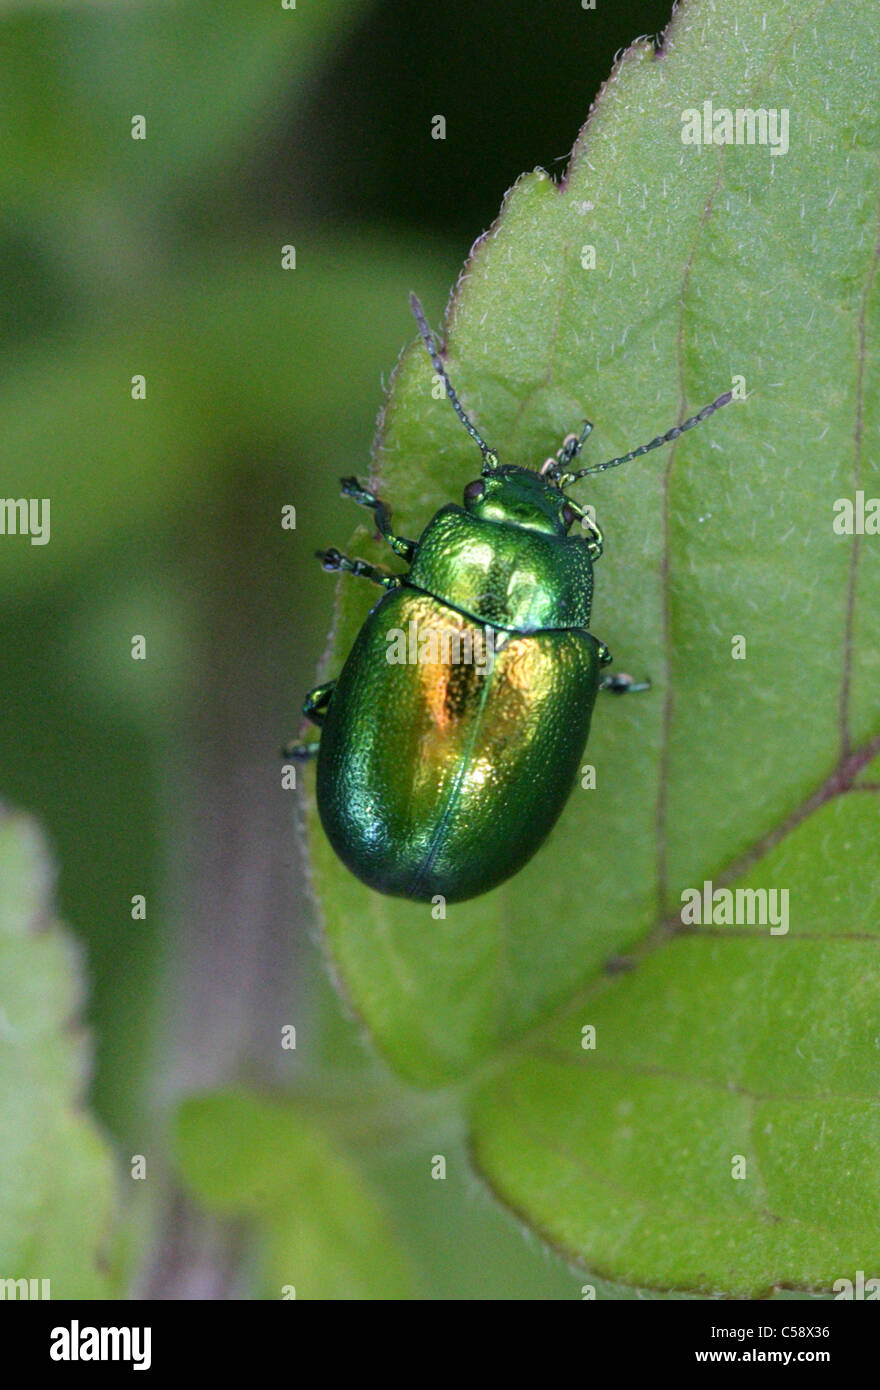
x=520 y=497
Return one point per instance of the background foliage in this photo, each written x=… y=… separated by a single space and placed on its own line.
x=268 y=1167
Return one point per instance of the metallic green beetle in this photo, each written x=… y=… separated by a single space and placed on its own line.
x=452 y=738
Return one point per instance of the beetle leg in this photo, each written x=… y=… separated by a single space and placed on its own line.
x=364 y=498
x=300 y=752
x=604 y=654
x=621 y=684
x=333 y=561
x=316 y=702
x=314 y=708
x=594 y=539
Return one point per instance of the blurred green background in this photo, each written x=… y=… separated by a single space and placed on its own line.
x=265 y=127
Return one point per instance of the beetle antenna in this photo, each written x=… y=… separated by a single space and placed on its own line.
x=490 y=458
x=666 y=438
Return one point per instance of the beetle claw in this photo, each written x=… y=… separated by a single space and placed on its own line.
x=330 y=559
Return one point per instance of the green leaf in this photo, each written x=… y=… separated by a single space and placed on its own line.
x=57 y=1198
x=723 y=1042
x=711 y=263
x=325 y=1234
